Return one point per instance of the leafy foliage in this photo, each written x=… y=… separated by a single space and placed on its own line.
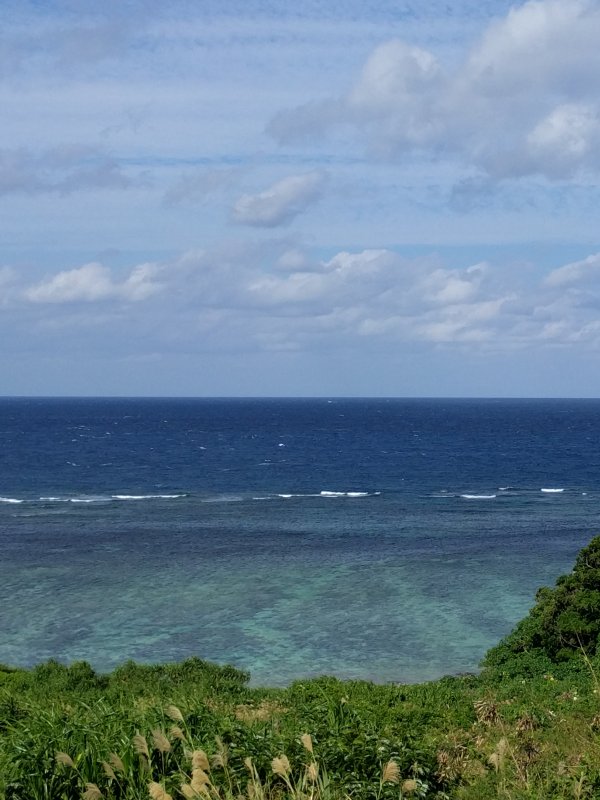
x=527 y=727
x=563 y=625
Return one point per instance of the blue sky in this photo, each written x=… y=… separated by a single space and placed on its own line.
x=351 y=198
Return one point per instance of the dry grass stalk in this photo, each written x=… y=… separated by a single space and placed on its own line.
x=140 y=745
x=391 y=772
x=92 y=792
x=497 y=758
x=281 y=765
x=116 y=762
x=160 y=741
x=307 y=742
x=312 y=772
x=200 y=760
x=64 y=758
x=486 y=712
x=452 y=763
x=261 y=713
x=174 y=713
x=187 y=791
x=158 y=792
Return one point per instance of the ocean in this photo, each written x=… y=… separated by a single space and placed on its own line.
x=390 y=540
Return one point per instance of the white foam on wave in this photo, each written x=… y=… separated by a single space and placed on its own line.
x=348 y=494
x=90 y=499
x=552 y=491
x=13 y=500
x=478 y=496
x=55 y=499
x=146 y=496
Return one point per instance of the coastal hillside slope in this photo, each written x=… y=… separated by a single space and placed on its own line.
x=528 y=726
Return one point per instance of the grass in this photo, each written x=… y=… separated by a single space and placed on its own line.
x=527 y=727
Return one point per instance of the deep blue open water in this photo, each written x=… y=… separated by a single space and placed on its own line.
x=394 y=540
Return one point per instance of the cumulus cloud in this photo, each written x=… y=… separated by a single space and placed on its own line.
x=524 y=101
x=64 y=169
x=239 y=298
x=281 y=202
x=94 y=282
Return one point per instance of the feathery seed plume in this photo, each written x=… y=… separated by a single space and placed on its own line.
x=108 y=770
x=409 y=786
x=92 y=792
x=306 y=740
x=174 y=713
x=200 y=760
x=64 y=758
x=281 y=765
x=199 y=779
x=177 y=733
x=140 y=745
x=116 y=762
x=160 y=741
x=158 y=792
x=391 y=772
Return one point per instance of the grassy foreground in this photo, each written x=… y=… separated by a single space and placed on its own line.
x=527 y=727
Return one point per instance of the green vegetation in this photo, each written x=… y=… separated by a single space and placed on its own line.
x=527 y=727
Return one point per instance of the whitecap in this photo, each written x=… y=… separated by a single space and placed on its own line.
x=478 y=496
x=10 y=500
x=357 y=494
x=146 y=496
x=552 y=491
x=332 y=494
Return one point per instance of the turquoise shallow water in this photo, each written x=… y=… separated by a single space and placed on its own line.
x=389 y=540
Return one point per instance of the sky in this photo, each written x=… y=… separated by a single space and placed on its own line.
x=260 y=198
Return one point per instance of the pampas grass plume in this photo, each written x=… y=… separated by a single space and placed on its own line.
x=200 y=760
x=160 y=741
x=306 y=740
x=281 y=765
x=177 y=733
x=174 y=713
x=92 y=792
x=158 y=792
x=64 y=758
x=116 y=762
x=140 y=745
x=391 y=772
x=199 y=779
x=108 y=770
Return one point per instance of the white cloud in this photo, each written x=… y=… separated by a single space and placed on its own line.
x=524 y=101
x=585 y=271
x=281 y=202
x=93 y=282
x=63 y=169
x=241 y=297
